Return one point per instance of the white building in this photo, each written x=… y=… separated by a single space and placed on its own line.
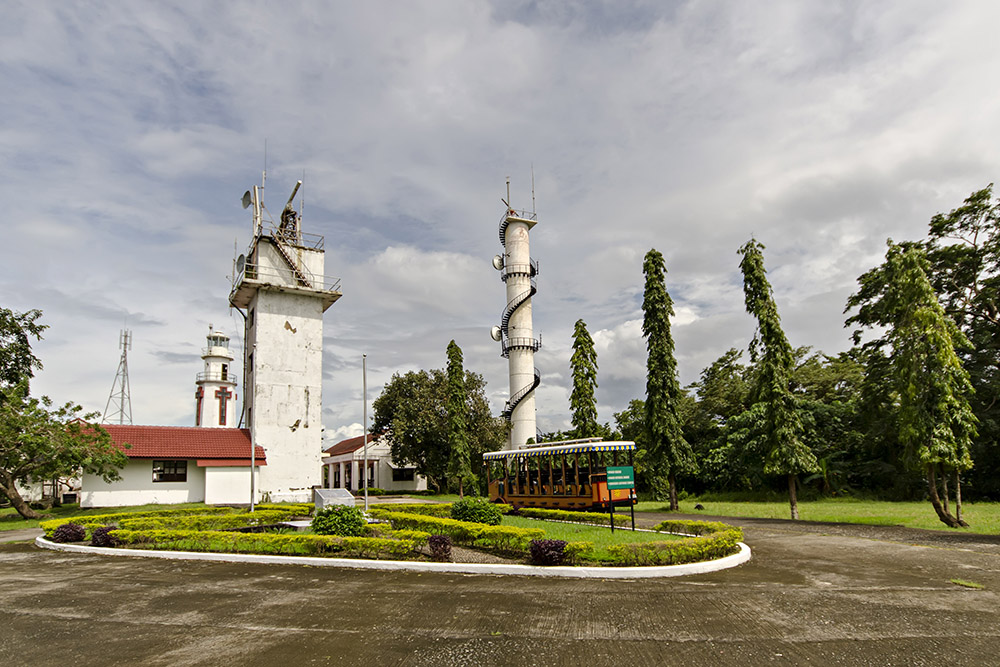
x=282 y=292
x=345 y=461
x=177 y=464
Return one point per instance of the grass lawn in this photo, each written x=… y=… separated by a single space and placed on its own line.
x=11 y=520
x=982 y=517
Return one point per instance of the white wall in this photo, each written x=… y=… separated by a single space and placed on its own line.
x=229 y=485
x=287 y=403
x=137 y=487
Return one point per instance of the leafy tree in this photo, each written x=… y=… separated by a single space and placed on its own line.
x=38 y=441
x=412 y=411
x=773 y=422
x=963 y=248
x=459 y=465
x=921 y=376
x=669 y=452
x=584 y=366
x=17 y=362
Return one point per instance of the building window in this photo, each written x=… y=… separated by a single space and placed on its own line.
x=403 y=474
x=170 y=471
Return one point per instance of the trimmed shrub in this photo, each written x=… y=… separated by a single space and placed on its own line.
x=340 y=520
x=595 y=518
x=101 y=537
x=476 y=510
x=428 y=509
x=547 y=552
x=209 y=522
x=675 y=552
x=440 y=548
x=92 y=520
x=505 y=539
x=69 y=532
x=268 y=543
x=574 y=552
x=688 y=527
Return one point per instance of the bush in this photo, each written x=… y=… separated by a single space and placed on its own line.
x=268 y=543
x=573 y=516
x=547 y=552
x=476 y=510
x=101 y=537
x=440 y=548
x=340 y=520
x=503 y=539
x=93 y=520
x=69 y=532
x=210 y=521
x=430 y=509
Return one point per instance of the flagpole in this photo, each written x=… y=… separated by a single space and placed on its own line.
x=364 y=403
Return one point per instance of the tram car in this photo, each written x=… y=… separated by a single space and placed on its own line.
x=569 y=475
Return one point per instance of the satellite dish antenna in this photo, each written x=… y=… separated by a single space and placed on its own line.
x=241 y=262
x=498 y=262
x=247 y=199
x=495 y=333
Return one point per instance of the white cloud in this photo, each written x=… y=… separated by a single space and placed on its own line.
x=688 y=127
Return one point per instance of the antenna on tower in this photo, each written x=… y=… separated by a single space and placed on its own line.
x=119 y=404
x=533 y=188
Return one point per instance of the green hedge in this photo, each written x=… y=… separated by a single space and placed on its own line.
x=92 y=520
x=688 y=527
x=268 y=543
x=208 y=522
x=675 y=552
x=429 y=509
x=300 y=509
x=596 y=518
x=506 y=539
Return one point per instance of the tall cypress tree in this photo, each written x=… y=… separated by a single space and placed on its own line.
x=776 y=424
x=459 y=457
x=584 y=366
x=668 y=451
x=924 y=379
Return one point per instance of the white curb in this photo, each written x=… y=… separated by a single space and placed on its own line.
x=416 y=566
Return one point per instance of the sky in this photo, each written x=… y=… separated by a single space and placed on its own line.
x=131 y=130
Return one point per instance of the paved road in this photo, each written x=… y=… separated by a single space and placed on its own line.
x=813 y=593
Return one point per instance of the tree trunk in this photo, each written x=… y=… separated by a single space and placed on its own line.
x=673 y=493
x=9 y=489
x=945 y=517
x=793 y=500
x=460 y=494
x=958 y=499
x=944 y=490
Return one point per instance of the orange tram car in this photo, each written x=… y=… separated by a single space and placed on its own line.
x=569 y=475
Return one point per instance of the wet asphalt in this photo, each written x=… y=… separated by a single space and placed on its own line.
x=824 y=594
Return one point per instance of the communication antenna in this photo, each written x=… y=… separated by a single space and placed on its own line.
x=119 y=406
x=533 y=188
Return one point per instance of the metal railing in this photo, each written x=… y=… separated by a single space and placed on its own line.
x=216 y=377
x=293 y=237
x=285 y=277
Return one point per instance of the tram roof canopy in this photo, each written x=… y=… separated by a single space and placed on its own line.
x=619 y=446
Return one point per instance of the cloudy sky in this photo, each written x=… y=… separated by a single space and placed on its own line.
x=130 y=131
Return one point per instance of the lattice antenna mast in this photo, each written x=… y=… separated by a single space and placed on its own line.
x=119 y=406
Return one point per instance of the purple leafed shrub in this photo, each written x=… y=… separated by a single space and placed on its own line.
x=69 y=532
x=440 y=548
x=99 y=537
x=547 y=552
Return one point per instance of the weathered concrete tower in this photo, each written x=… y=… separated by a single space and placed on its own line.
x=515 y=335
x=281 y=287
x=215 y=397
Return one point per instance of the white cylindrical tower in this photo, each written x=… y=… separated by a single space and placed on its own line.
x=215 y=397
x=515 y=333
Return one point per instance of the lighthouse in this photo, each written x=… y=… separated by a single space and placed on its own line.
x=515 y=335
x=282 y=292
x=215 y=393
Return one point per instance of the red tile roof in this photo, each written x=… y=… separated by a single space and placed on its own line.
x=349 y=445
x=185 y=442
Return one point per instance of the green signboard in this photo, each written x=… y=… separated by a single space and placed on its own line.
x=621 y=477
